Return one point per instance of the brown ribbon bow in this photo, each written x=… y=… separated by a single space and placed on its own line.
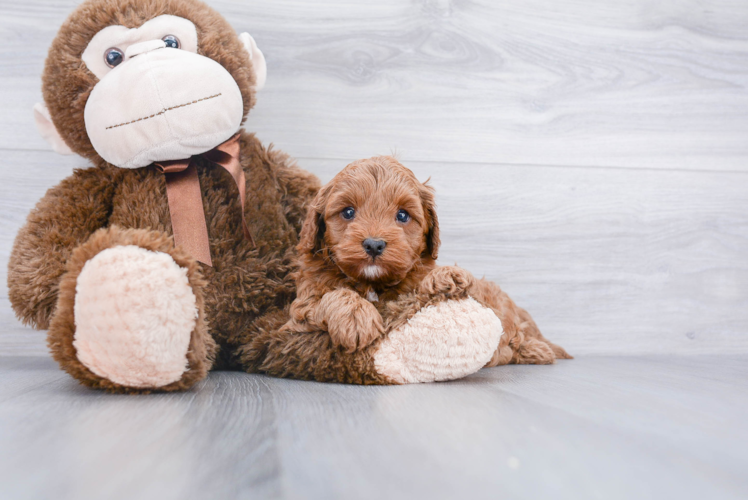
x=185 y=198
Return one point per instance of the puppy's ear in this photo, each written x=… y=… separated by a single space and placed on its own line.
x=432 y=221
x=311 y=238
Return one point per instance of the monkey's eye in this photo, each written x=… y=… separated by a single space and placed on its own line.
x=113 y=57
x=171 y=42
x=348 y=213
x=402 y=216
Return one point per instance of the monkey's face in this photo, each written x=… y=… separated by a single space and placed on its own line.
x=164 y=88
x=157 y=99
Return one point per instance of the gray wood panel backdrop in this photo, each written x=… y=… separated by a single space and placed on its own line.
x=591 y=157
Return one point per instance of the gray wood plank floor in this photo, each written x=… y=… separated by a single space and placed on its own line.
x=595 y=427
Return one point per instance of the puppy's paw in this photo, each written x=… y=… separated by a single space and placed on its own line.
x=351 y=321
x=449 y=281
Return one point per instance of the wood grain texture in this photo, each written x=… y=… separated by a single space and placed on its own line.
x=613 y=428
x=538 y=82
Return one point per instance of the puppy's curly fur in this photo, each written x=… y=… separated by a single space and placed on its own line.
x=371 y=236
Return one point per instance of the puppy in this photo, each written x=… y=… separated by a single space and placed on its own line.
x=367 y=252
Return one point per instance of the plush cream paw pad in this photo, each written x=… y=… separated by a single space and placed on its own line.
x=446 y=341
x=134 y=314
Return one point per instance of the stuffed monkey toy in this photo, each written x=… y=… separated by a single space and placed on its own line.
x=174 y=252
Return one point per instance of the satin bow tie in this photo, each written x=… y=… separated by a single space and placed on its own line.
x=185 y=199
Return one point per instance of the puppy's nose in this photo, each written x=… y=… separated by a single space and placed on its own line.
x=374 y=247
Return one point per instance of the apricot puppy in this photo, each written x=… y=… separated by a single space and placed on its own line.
x=369 y=244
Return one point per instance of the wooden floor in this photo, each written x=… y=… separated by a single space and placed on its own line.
x=591 y=157
x=595 y=427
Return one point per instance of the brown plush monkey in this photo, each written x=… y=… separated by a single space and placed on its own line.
x=173 y=253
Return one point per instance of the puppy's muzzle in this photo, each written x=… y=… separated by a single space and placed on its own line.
x=374 y=247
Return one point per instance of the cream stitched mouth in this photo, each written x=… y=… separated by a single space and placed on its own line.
x=164 y=111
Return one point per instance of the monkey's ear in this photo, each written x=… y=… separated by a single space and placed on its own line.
x=258 y=60
x=48 y=130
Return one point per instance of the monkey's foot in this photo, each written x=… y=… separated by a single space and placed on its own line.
x=445 y=341
x=129 y=316
x=134 y=312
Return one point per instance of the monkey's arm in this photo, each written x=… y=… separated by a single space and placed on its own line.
x=63 y=219
x=280 y=351
x=420 y=346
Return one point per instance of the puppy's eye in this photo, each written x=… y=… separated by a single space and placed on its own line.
x=113 y=57
x=402 y=216
x=171 y=42
x=348 y=213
